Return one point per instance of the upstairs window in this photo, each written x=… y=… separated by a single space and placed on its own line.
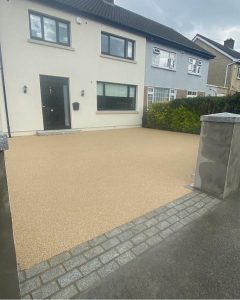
x=194 y=66
x=164 y=59
x=49 y=29
x=117 y=46
x=113 y=96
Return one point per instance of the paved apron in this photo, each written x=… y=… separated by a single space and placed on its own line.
x=84 y=267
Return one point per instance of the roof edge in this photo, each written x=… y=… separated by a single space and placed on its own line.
x=202 y=38
x=203 y=54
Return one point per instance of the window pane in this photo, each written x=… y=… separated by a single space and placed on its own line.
x=191 y=94
x=130 y=49
x=116 y=90
x=66 y=105
x=117 y=46
x=161 y=94
x=36 y=26
x=156 y=60
x=194 y=66
x=132 y=92
x=164 y=56
x=116 y=97
x=50 y=30
x=172 y=58
x=63 y=33
x=100 y=89
x=104 y=43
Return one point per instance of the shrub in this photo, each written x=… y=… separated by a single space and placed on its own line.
x=184 y=114
x=185 y=121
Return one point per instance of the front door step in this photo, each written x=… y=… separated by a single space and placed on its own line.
x=58 y=132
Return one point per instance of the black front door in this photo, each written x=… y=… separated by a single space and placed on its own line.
x=55 y=102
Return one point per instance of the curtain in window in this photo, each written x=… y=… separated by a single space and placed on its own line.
x=116 y=90
x=161 y=94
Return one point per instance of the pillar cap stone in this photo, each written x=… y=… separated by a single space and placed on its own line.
x=221 y=118
x=3 y=142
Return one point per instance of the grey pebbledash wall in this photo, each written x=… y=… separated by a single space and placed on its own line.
x=179 y=79
x=9 y=286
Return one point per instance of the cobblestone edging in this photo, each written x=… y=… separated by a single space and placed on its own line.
x=74 y=271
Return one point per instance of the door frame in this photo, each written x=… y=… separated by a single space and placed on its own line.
x=68 y=94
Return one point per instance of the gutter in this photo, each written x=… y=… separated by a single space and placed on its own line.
x=137 y=31
x=4 y=93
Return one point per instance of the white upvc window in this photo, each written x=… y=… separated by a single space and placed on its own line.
x=191 y=94
x=194 y=66
x=157 y=94
x=238 y=73
x=164 y=59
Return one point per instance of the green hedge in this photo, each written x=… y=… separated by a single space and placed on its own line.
x=184 y=114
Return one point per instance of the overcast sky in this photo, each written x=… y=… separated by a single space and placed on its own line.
x=216 y=19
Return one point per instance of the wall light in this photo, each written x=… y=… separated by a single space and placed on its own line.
x=25 y=89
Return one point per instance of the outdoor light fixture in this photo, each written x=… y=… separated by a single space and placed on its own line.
x=25 y=89
x=82 y=93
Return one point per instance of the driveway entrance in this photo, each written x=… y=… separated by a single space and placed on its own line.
x=68 y=189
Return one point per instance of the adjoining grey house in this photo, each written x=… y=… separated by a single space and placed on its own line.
x=175 y=68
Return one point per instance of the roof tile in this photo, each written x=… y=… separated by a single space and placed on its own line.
x=122 y=17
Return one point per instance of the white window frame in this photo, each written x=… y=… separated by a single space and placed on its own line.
x=199 y=63
x=238 y=73
x=158 y=51
x=192 y=94
x=152 y=93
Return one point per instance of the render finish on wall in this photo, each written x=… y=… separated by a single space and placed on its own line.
x=179 y=79
x=25 y=60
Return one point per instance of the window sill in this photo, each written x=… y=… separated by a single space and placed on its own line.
x=194 y=74
x=118 y=58
x=117 y=112
x=43 y=43
x=162 y=68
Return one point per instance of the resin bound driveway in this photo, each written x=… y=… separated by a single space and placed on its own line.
x=68 y=189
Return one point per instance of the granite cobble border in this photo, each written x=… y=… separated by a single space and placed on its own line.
x=74 y=271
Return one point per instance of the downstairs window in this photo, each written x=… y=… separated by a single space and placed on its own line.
x=112 y=96
x=156 y=94
x=191 y=94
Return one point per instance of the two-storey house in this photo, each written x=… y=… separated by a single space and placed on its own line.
x=224 y=69
x=80 y=64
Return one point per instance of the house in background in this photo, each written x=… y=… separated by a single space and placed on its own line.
x=81 y=64
x=224 y=69
x=175 y=68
